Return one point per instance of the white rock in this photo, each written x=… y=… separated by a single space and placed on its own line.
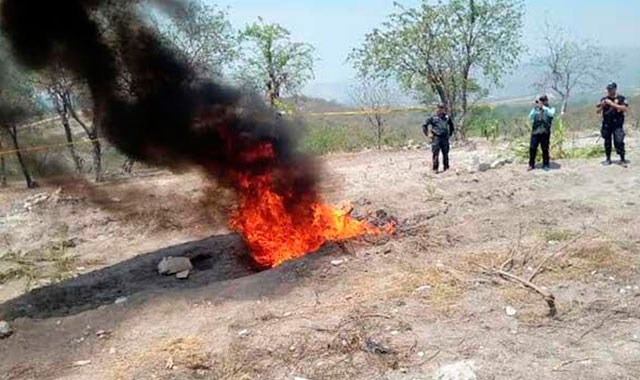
x=423 y=289
x=172 y=265
x=5 y=330
x=511 y=311
x=183 y=275
x=464 y=370
x=336 y=263
x=244 y=332
x=300 y=378
x=81 y=363
x=121 y=300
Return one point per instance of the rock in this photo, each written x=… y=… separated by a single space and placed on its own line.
x=511 y=311
x=464 y=370
x=121 y=300
x=423 y=289
x=336 y=263
x=483 y=167
x=5 y=330
x=183 y=275
x=244 y=332
x=173 y=265
x=81 y=363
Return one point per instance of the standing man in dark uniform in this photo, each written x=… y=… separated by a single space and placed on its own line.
x=441 y=129
x=542 y=117
x=613 y=108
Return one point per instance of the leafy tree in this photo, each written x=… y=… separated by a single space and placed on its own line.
x=275 y=65
x=444 y=51
x=203 y=35
x=569 y=65
x=373 y=97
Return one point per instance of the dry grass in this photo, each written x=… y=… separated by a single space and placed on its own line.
x=557 y=235
x=50 y=264
x=580 y=262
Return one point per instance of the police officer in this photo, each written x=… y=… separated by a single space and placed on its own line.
x=542 y=117
x=441 y=129
x=613 y=108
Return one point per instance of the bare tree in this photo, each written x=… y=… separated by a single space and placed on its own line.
x=570 y=65
x=373 y=97
x=60 y=87
x=12 y=130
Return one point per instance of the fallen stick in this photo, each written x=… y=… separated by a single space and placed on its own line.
x=553 y=255
x=559 y=366
x=549 y=298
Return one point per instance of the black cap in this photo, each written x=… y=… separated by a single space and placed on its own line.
x=612 y=86
x=544 y=98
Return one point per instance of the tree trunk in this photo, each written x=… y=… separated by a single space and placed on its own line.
x=3 y=168
x=565 y=103
x=379 y=130
x=31 y=184
x=92 y=134
x=97 y=158
x=72 y=149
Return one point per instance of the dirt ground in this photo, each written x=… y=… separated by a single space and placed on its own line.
x=78 y=280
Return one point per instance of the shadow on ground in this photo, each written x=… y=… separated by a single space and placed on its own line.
x=215 y=259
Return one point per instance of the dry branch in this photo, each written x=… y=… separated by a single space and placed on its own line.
x=554 y=254
x=549 y=298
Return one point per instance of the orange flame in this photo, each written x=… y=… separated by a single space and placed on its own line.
x=276 y=233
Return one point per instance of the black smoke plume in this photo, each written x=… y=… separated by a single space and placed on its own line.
x=148 y=101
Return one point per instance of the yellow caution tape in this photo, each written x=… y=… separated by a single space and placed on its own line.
x=47 y=147
x=312 y=114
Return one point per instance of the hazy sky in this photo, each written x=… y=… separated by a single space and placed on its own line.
x=334 y=27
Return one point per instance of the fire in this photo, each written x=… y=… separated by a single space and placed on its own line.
x=276 y=232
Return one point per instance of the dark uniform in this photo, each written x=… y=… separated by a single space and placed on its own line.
x=613 y=126
x=441 y=129
x=541 y=133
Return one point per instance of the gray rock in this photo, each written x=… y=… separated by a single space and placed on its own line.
x=183 y=275
x=173 y=265
x=5 y=330
x=464 y=370
x=483 y=167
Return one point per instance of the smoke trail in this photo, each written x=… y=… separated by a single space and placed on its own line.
x=148 y=102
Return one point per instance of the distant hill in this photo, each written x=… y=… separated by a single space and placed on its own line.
x=518 y=87
x=307 y=104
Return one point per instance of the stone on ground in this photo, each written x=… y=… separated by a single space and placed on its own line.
x=5 y=330
x=173 y=265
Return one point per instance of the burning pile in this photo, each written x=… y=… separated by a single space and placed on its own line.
x=276 y=231
x=150 y=104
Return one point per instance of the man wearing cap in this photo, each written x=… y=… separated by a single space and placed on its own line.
x=542 y=117
x=441 y=129
x=613 y=108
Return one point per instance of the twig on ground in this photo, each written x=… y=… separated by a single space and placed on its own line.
x=555 y=254
x=566 y=363
x=594 y=327
x=549 y=298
